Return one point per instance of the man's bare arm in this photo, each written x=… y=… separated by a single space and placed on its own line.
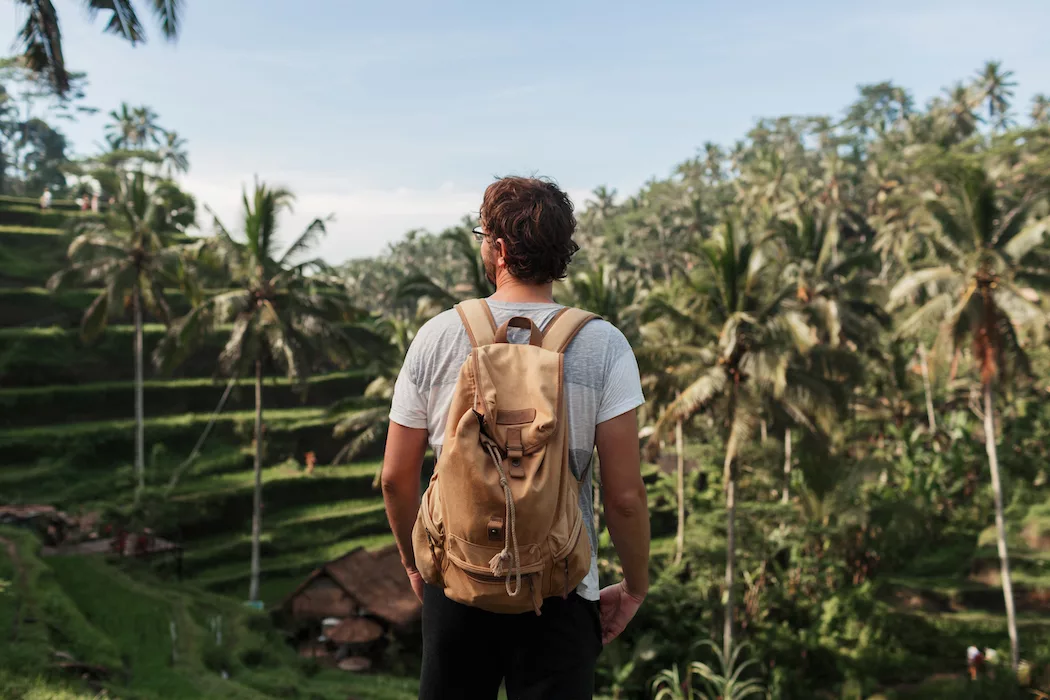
x=402 y=463
x=626 y=504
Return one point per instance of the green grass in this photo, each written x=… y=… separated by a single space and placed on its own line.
x=104 y=445
x=46 y=356
x=22 y=407
x=33 y=215
x=122 y=619
x=33 y=207
x=185 y=420
x=54 y=355
x=8 y=200
x=289 y=568
x=39 y=615
x=30 y=230
x=20 y=267
x=54 y=332
x=238 y=481
x=284 y=534
x=40 y=307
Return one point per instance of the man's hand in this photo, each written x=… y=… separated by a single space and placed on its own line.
x=416 y=579
x=616 y=607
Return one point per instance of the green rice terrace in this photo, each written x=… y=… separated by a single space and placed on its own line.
x=114 y=619
x=840 y=324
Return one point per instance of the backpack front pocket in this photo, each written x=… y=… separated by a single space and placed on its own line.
x=428 y=539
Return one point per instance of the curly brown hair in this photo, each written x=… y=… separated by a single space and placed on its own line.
x=535 y=220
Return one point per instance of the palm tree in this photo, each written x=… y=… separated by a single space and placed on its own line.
x=133 y=129
x=369 y=425
x=754 y=359
x=281 y=317
x=468 y=273
x=613 y=296
x=131 y=254
x=604 y=202
x=830 y=285
x=173 y=154
x=41 y=40
x=1040 y=109
x=961 y=104
x=995 y=87
x=979 y=291
x=667 y=342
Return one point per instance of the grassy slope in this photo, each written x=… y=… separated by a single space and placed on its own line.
x=122 y=620
x=22 y=407
x=67 y=442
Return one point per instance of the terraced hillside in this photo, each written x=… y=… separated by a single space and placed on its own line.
x=66 y=429
x=102 y=617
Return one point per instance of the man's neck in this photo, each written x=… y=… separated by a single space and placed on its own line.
x=513 y=291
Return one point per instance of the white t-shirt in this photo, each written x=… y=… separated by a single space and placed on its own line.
x=601 y=382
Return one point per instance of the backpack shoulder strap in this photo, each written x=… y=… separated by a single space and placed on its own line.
x=477 y=319
x=564 y=327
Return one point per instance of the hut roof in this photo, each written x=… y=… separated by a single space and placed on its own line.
x=376 y=580
x=29 y=512
x=355 y=630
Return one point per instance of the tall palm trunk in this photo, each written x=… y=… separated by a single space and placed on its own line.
x=730 y=486
x=679 y=540
x=787 y=467
x=253 y=590
x=1000 y=525
x=924 y=366
x=140 y=428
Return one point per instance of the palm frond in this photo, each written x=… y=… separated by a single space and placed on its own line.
x=926 y=318
x=95 y=317
x=912 y=282
x=417 y=284
x=41 y=43
x=1018 y=309
x=307 y=240
x=358 y=420
x=169 y=13
x=1028 y=238
x=123 y=21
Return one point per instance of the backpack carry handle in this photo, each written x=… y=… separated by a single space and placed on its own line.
x=535 y=337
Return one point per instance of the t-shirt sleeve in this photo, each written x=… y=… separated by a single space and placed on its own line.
x=623 y=385
x=408 y=407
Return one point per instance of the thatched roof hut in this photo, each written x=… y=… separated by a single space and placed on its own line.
x=355 y=630
x=49 y=523
x=358 y=583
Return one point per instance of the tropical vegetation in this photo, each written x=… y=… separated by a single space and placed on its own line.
x=840 y=323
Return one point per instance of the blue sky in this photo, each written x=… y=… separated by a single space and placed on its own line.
x=396 y=115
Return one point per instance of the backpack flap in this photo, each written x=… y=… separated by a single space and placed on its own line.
x=517 y=395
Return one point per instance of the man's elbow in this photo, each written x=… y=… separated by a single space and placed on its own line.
x=627 y=504
x=393 y=483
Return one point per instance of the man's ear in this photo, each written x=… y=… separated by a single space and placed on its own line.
x=501 y=251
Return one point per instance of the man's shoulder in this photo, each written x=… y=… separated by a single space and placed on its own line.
x=438 y=328
x=600 y=332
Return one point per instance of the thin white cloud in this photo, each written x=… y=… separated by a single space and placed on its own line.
x=367 y=219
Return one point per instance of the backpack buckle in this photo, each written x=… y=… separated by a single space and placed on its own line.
x=515 y=451
x=495 y=529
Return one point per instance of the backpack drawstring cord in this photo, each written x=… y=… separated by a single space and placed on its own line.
x=499 y=563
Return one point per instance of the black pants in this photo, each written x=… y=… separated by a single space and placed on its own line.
x=468 y=651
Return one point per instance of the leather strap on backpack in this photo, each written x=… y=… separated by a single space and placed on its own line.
x=477 y=319
x=564 y=327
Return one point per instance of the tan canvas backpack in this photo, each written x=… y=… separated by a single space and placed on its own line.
x=499 y=525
